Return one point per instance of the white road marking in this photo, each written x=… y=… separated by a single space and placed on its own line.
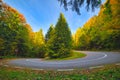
x=27 y=68
x=96 y=67
x=105 y=55
x=27 y=60
x=118 y=64
x=36 y=69
x=65 y=69
x=19 y=67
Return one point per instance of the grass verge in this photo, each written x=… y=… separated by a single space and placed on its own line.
x=109 y=72
x=73 y=55
x=7 y=57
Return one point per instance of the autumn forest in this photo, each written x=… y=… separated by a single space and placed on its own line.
x=101 y=32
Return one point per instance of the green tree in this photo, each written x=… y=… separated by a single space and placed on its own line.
x=49 y=33
x=13 y=32
x=61 y=42
x=102 y=32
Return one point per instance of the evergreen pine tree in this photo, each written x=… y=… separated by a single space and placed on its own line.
x=61 y=42
x=49 y=33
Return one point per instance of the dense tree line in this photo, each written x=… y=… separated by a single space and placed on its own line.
x=16 y=36
x=18 y=39
x=101 y=32
x=13 y=32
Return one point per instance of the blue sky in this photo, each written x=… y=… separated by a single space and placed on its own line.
x=43 y=13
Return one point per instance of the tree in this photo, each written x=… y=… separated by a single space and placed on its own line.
x=102 y=32
x=39 y=44
x=61 y=42
x=39 y=38
x=76 y=4
x=1 y=46
x=13 y=33
x=49 y=33
x=76 y=38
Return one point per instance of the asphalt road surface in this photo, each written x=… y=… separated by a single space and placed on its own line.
x=92 y=59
